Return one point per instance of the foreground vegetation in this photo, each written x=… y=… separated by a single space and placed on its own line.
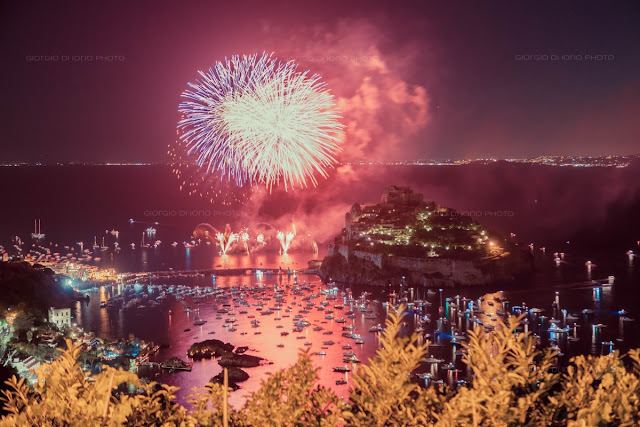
x=513 y=384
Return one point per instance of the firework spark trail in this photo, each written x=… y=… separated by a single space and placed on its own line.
x=221 y=240
x=255 y=120
x=232 y=238
x=225 y=241
x=245 y=241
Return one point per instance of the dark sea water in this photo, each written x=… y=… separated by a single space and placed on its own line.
x=588 y=214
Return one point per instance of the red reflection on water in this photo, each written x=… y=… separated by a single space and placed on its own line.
x=265 y=344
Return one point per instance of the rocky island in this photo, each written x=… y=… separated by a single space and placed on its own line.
x=208 y=349
x=404 y=238
x=227 y=358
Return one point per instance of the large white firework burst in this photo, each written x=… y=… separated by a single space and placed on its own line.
x=256 y=120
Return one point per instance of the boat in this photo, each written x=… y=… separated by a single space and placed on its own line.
x=198 y=321
x=341 y=382
x=320 y=353
x=328 y=342
x=175 y=364
x=344 y=368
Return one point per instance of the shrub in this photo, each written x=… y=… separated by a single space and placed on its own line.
x=513 y=383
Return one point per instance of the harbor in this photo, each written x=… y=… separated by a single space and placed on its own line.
x=275 y=317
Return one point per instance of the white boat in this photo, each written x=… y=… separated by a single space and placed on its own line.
x=198 y=321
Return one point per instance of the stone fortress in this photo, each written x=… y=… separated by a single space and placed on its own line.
x=434 y=245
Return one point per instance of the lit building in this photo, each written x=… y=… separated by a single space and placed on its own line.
x=403 y=196
x=60 y=317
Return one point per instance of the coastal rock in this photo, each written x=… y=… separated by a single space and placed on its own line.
x=242 y=349
x=240 y=360
x=235 y=375
x=209 y=348
x=516 y=264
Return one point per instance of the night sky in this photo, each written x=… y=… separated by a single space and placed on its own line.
x=101 y=81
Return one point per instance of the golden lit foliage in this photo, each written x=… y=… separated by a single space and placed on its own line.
x=382 y=393
x=290 y=397
x=513 y=383
x=65 y=395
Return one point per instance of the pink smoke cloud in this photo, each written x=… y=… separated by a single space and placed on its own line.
x=381 y=109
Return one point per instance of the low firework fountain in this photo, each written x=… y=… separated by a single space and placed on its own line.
x=226 y=239
x=285 y=240
x=255 y=238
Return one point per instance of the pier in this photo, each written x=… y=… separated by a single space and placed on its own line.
x=132 y=277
